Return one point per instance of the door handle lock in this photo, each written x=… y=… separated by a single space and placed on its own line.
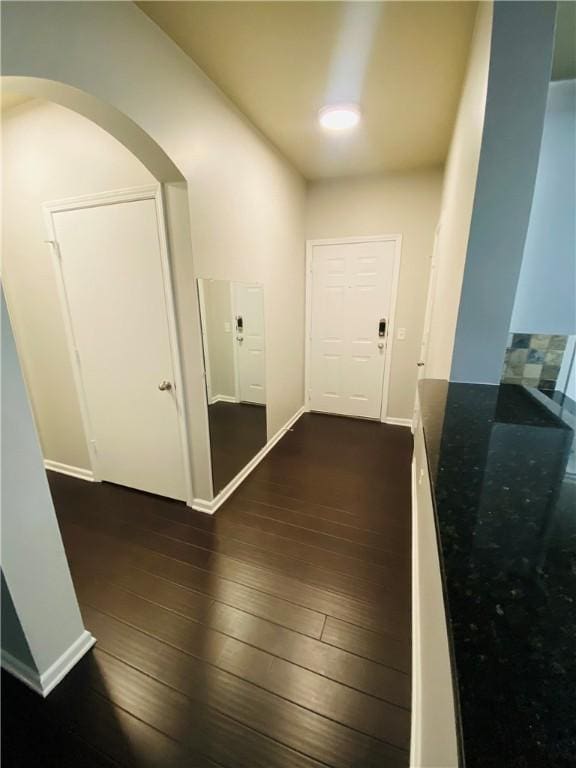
x=420 y=363
x=164 y=386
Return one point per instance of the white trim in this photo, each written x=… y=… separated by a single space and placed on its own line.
x=144 y=192
x=398 y=422
x=391 y=325
x=147 y=192
x=202 y=505
x=430 y=297
x=21 y=671
x=308 y=323
x=232 y=294
x=68 y=469
x=56 y=672
x=416 y=705
x=204 y=334
x=174 y=342
x=352 y=240
x=391 y=328
x=223 y=399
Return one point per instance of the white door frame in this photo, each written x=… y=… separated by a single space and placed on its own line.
x=204 y=332
x=133 y=194
x=433 y=275
x=391 y=324
x=234 y=344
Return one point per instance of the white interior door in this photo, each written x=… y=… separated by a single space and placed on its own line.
x=249 y=340
x=111 y=269
x=351 y=299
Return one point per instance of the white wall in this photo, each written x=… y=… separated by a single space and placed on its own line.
x=33 y=561
x=546 y=294
x=519 y=76
x=245 y=202
x=405 y=203
x=218 y=303
x=434 y=728
x=567 y=375
x=458 y=198
x=13 y=639
x=50 y=153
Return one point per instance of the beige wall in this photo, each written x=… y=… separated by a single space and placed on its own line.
x=220 y=342
x=403 y=203
x=50 y=153
x=245 y=202
x=458 y=199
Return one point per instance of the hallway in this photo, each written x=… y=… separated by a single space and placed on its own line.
x=275 y=633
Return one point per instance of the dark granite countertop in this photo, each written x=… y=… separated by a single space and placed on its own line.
x=504 y=488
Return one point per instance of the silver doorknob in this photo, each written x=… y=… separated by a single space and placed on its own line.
x=381 y=345
x=164 y=385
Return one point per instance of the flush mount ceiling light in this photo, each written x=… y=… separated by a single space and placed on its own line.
x=339 y=117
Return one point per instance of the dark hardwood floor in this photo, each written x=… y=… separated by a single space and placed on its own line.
x=275 y=634
x=237 y=433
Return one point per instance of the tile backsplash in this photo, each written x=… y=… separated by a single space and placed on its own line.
x=533 y=359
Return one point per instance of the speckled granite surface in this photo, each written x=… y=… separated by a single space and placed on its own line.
x=505 y=503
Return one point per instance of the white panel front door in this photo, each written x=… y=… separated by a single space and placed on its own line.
x=351 y=293
x=249 y=319
x=112 y=274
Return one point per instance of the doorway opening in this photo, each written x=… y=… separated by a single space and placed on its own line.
x=110 y=255
x=89 y=288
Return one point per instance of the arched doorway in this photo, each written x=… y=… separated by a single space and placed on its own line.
x=184 y=322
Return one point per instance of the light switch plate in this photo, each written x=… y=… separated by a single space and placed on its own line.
x=227 y=328
x=401 y=335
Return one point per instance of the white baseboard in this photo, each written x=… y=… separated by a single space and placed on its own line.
x=55 y=673
x=398 y=422
x=21 y=671
x=68 y=469
x=202 y=505
x=223 y=399
x=416 y=722
x=48 y=680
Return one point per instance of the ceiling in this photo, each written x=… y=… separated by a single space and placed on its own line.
x=279 y=62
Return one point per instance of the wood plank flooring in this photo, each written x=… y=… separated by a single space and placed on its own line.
x=237 y=433
x=274 y=634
